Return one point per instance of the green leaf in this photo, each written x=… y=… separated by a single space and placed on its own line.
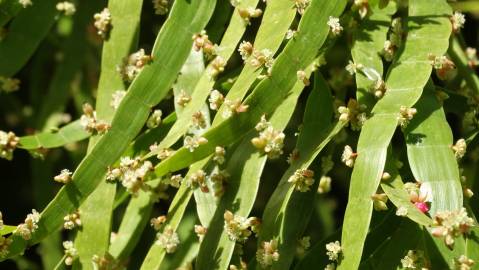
x=429 y=30
x=8 y=10
x=70 y=133
x=429 y=139
x=287 y=211
x=172 y=48
x=6 y=229
x=25 y=33
x=245 y=168
x=472 y=246
x=456 y=52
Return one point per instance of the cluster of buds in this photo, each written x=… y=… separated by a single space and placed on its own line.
x=268 y=253
x=103 y=22
x=71 y=221
x=26 y=229
x=380 y=201
x=218 y=180
x=219 y=156
x=200 y=232
x=202 y=42
x=463 y=263
x=133 y=64
x=216 y=99
x=9 y=85
x=445 y=68
x=4 y=246
x=132 y=174
x=459 y=148
x=451 y=224
x=405 y=115
x=160 y=6
x=105 y=262
x=198 y=120
x=116 y=98
x=420 y=195
x=303 y=245
x=197 y=180
x=262 y=58
x=335 y=26
x=183 y=98
x=245 y=49
x=157 y=222
x=163 y=153
x=250 y=12
x=25 y=3
x=414 y=259
x=90 y=123
x=348 y=157
x=401 y=211
x=68 y=8
x=217 y=66
x=270 y=141
x=8 y=144
x=353 y=68
x=301 y=5
x=471 y=55
x=324 y=184
x=302 y=76
x=457 y=20
x=64 y=177
x=302 y=179
x=378 y=88
x=395 y=40
x=154 y=120
x=193 y=142
x=71 y=252
x=240 y=228
x=233 y=107
x=168 y=239
x=353 y=114
x=174 y=180
x=362 y=6
x=334 y=251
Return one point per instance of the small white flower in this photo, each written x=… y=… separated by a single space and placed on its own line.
x=335 y=26
x=458 y=20
x=157 y=222
x=4 y=246
x=67 y=7
x=216 y=99
x=302 y=179
x=268 y=253
x=348 y=157
x=168 y=239
x=160 y=6
x=26 y=229
x=71 y=252
x=401 y=211
x=71 y=221
x=353 y=68
x=133 y=65
x=200 y=231
x=64 y=177
x=25 y=3
x=8 y=143
x=459 y=148
x=116 y=98
x=405 y=115
x=334 y=251
x=193 y=142
x=103 y=22
x=154 y=120
x=324 y=184
x=270 y=141
x=245 y=49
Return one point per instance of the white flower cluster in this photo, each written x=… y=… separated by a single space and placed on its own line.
x=8 y=143
x=200 y=232
x=217 y=66
x=335 y=26
x=240 y=228
x=182 y=99
x=216 y=100
x=116 y=98
x=460 y=148
x=301 y=5
x=4 y=246
x=405 y=115
x=132 y=174
x=268 y=253
x=413 y=260
x=380 y=202
x=9 y=85
x=353 y=114
x=133 y=64
x=201 y=41
x=445 y=68
x=362 y=6
x=64 y=177
x=248 y=13
x=262 y=58
x=154 y=120
x=302 y=179
x=219 y=156
x=26 y=229
x=90 y=123
x=103 y=22
x=451 y=224
x=218 y=178
x=458 y=20
x=68 y=8
x=25 y=3
x=463 y=263
x=72 y=221
x=472 y=60
x=324 y=184
x=197 y=180
x=245 y=49
x=270 y=141
x=157 y=222
x=334 y=251
x=348 y=156
x=193 y=142
x=395 y=40
x=71 y=252
x=168 y=239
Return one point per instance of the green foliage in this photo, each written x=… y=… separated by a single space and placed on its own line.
x=252 y=178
